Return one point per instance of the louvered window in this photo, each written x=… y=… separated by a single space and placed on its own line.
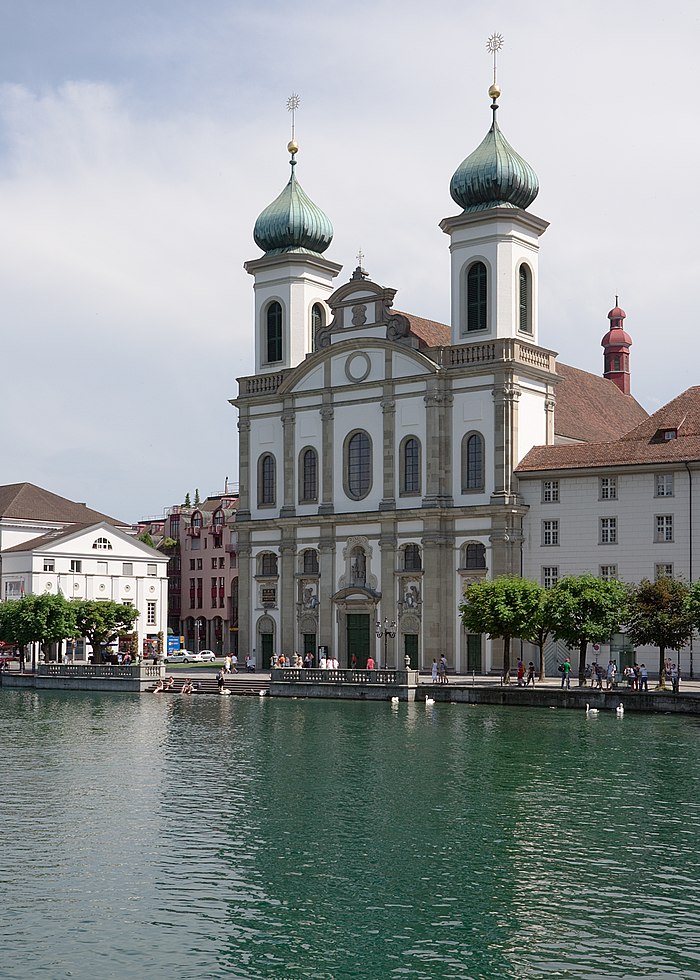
x=473 y=463
x=525 y=299
x=411 y=466
x=476 y=297
x=318 y=320
x=309 y=481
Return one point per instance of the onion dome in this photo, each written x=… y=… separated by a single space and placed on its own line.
x=293 y=223
x=494 y=175
x=616 y=334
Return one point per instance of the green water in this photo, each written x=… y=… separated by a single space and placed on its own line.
x=250 y=838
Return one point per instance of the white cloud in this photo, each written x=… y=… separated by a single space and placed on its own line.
x=136 y=154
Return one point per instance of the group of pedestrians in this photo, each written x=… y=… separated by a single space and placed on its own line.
x=524 y=681
x=438 y=671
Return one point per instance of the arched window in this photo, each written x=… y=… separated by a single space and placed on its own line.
x=358 y=566
x=411 y=558
x=268 y=563
x=308 y=490
x=218 y=518
x=102 y=544
x=358 y=465
x=473 y=462
x=197 y=520
x=318 y=320
x=273 y=332
x=310 y=562
x=475 y=556
x=525 y=299
x=476 y=297
x=266 y=480
x=410 y=465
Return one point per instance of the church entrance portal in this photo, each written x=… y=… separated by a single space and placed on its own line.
x=358 y=637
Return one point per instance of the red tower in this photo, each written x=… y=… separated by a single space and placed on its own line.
x=616 y=344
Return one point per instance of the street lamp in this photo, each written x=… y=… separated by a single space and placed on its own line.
x=386 y=630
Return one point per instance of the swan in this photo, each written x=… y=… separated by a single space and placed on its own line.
x=394 y=700
x=262 y=694
x=591 y=711
x=620 y=710
x=430 y=701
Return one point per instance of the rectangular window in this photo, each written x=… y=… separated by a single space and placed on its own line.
x=608 y=488
x=76 y=565
x=550 y=533
x=150 y=613
x=608 y=530
x=199 y=564
x=664 y=528
x=215 y=563
x=663 y=485
x=608 y=572
x=14 y=590
x=663 y=571
x=192 y=565
x=222 y=562
x=151 y=569
x=127 y=568
x=102 y=568
x=550 y=491
x=550 y=576
x=232 y=560
x=49 y=565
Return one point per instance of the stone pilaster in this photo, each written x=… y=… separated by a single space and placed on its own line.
x=438 y=612
x=287 y=592
x=246 y=584
x=387 y=607
x=506 y=396
x=326 y=588
x=327 y=450
x=549 y=404
x=288 y=454
x=437 y=445
x=388 y=405
x=243 y=464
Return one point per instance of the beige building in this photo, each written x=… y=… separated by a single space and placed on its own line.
x=378 y=449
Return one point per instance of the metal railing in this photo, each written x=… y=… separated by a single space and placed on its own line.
x=312 y=675
x=99 y=670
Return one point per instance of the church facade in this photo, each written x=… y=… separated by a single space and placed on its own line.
x=378 y=449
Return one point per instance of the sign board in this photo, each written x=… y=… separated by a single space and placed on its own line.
x=173 y=644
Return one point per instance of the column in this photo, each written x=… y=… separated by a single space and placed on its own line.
x=327 y=451
x=387 y=607
x=326 y=588
x=388 y=405
x=243 y=513
x=505 y=396
x=246 y=584
x=287 y=588
x=288 y=459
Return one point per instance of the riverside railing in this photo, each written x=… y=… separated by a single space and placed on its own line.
x=133 y=671
x=313 y=675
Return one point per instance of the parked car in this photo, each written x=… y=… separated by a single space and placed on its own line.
x=178 y=657
x=203 y=657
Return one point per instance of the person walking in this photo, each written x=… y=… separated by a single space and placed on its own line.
x=643 y=678
x=530 y=674
x=675 y=677
x=443 y=669
x=610 y=674
x=566 y=673
x=434 y=671
x=220 y=677
x=521 y=673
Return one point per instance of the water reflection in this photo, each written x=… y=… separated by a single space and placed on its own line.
x=228 y=837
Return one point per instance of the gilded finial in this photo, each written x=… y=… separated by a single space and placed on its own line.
x=293 y=103
x=494 y=45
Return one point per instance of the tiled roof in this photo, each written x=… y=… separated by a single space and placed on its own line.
x=430 y=332
x=36 y=544
x=24 y=501
x=641 y=445
x=591 y=408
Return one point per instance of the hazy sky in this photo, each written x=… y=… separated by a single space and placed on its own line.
x=139 y=140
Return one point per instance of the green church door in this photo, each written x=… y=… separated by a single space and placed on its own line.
x=267 y=641
x=474 y=652
x=358 y=639
x=410 y=648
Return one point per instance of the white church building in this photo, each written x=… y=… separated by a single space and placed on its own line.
x=378 y=449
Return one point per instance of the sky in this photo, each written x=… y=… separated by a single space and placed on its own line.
x=139 y=141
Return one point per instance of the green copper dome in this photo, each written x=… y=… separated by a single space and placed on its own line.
x=293 y=223
x=494 y=175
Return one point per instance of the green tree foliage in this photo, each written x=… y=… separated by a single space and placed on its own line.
x=188 y=502
x=542 y=626
x=197 y=501
x=661 y=615
x=43 y=619
x=102 y=622
x=167 y=544
x=147 y=539
x=585 y=609
x=503 y=607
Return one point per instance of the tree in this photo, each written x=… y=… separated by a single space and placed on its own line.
x=147 y=539
x=585 y=609
x=197 y=501
x=167 y=544
x=188 y=502
x=44 y=619
x=661 y=615
x=542 y=627
x=503 y=607
x=102 y=622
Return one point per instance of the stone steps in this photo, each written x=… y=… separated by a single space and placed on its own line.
x=235 y=683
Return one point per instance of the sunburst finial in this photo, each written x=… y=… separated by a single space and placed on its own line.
x=293 y=103
x=494 y=45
